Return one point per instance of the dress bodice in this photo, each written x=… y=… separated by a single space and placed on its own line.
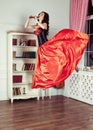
x=42 y=36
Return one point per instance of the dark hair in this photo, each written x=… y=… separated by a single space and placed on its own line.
x=46 y=20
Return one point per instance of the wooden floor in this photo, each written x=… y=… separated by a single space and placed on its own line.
x=59 y=113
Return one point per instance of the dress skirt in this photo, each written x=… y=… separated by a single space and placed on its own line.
x=57 y=58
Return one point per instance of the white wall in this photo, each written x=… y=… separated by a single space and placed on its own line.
x=13 y=14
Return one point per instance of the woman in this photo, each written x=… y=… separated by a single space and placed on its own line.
x=41 y=28
x=58 y=57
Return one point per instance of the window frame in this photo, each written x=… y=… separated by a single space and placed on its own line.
x=88 y=60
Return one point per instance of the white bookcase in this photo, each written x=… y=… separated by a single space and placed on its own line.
x=22 y=47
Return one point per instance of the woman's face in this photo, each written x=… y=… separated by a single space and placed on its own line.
x=41 y=16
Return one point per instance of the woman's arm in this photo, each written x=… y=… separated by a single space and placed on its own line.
x=39 y=24
x=28 y=25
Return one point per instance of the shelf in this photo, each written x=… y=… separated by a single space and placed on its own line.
x=24 y=59
x=17 y=46
x=20 y=84
x=25 y=96
x=22 y=32
x=25 y=71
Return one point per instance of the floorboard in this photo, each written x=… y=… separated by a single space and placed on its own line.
x=57 y=113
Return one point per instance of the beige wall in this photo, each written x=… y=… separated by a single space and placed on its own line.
x=13 y=14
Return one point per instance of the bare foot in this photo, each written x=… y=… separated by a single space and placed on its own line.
x=76 y=69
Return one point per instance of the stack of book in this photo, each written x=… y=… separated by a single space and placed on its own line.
x=29 y=54
x=16 y=91
x=28 y=66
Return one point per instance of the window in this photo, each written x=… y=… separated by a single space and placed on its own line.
x=89 y=30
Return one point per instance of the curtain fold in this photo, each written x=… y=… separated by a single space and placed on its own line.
x=92 y=2
x=78 y=13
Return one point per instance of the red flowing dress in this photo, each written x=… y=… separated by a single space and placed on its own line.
x=57 y=58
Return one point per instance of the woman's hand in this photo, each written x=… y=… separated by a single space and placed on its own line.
x=36 y=19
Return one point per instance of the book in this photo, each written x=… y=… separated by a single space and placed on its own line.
x=14 y=41
x=31 y=43
x=14 y=67
x=17 y=78
x=14 y=54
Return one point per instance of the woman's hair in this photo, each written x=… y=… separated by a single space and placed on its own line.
x=46 y=20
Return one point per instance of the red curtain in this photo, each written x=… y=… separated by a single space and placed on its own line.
x=78 y=13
